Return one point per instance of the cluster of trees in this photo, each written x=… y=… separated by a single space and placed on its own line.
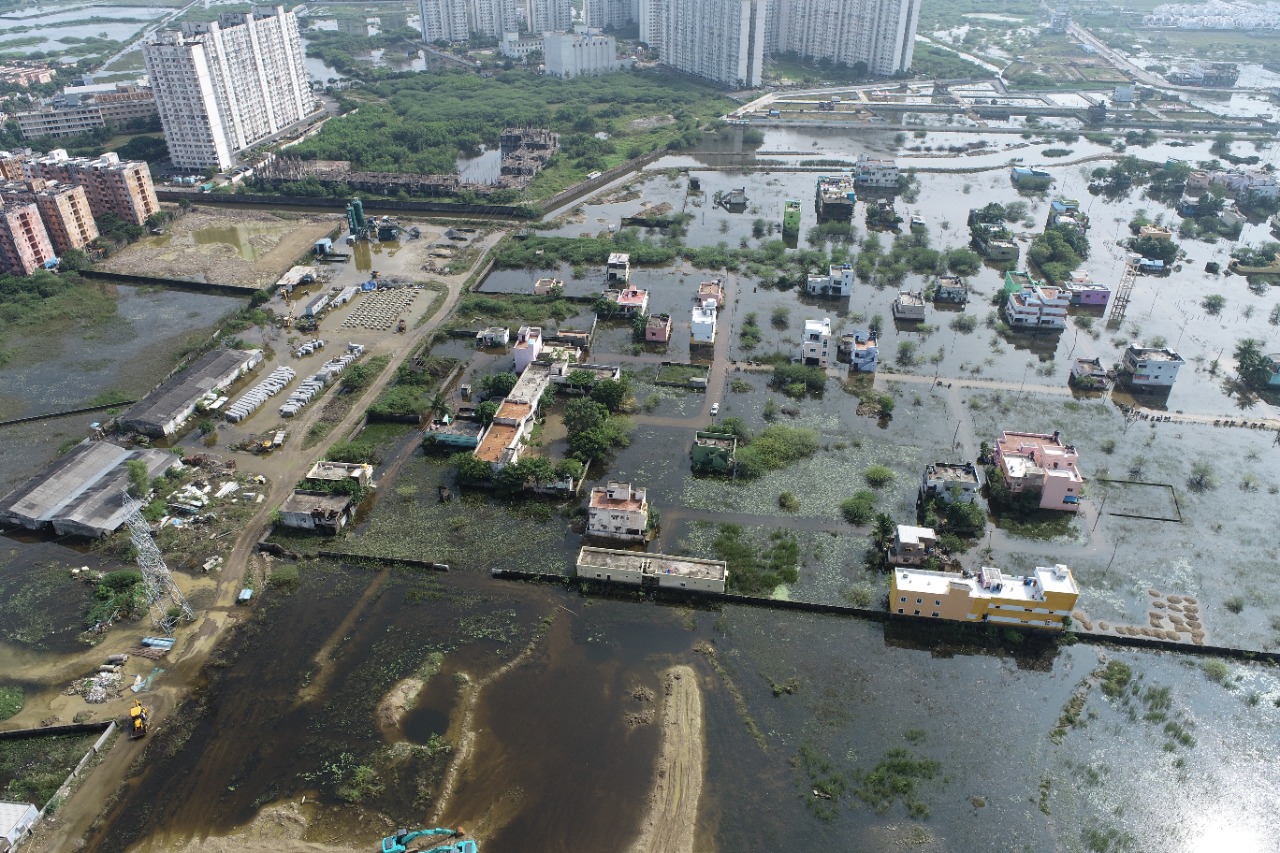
x=1059 y=251
x=1253 y=365
x=120 y=595
x=797 y=380
x=594 y=430
x=529 y=472
x=421 y=123
x=341 y=50
x=1256 y=256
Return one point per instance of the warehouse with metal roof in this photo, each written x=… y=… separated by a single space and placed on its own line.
x=164 y=410
x=82 y=492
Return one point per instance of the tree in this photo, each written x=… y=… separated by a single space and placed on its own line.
x=884 y=530
x=860 y=508
x=438 y=406
x=967 y=517
x=1203 y=477
x=137 y=477
x=470 y=470
x=486 y=411
x=963 y=261
x=582 y=415
x=570 y=468
x=498 y=384
x=73 y=260
x=611 y=393
x=1252 y=363
x=590 y=444
x=580 y=380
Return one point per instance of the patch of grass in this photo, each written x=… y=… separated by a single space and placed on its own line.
x=878 y=476
x=756 y=569
x=896 y=777
x=32 y=769
x=11 y=700
x=1116 y=677
x=1217 y=671
x=825 y=784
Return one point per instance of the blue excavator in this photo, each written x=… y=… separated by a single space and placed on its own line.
x=399 y=843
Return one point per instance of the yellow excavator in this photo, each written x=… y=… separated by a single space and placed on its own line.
x=137 y=721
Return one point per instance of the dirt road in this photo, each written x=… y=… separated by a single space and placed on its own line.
x=196 y=641
x=673 y=806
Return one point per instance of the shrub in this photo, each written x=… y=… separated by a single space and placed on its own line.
x=878 y=476
x=775 y=447
x=859 y=509
x=788 y=502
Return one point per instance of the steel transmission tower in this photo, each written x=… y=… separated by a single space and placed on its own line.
x=165 y=600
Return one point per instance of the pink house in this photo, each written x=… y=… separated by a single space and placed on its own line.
x=658 y=329
x=1035 y=461
x=528 y=347
x=630 y=302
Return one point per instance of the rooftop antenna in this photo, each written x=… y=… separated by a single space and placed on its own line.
x=167 y=603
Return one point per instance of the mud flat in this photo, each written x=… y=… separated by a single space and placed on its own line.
x=673 y=805
x=276 y=829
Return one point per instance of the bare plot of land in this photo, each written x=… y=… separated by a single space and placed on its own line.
x=252 y=248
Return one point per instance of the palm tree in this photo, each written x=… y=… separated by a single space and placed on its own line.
x=1252 y=363
x=438 y=406
x=884 y=530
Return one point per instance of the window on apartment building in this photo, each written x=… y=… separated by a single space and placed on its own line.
x=935 y=614
x=937 y=604
x=899 y=609
x=919 y=601
x=917 y=613
x=903 y=599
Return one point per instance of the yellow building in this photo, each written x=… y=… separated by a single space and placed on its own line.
x=1041 y=599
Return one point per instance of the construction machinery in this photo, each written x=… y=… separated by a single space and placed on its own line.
x=137 y=721
x=399 y=843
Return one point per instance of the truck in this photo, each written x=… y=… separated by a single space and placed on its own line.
x=775 y=113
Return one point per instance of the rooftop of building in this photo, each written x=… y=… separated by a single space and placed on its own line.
x=323 y=470
x=1154 y=354
x=321 y=503
x=631 y=297
x=528 y=336
x=1090 y=363
x=907 y=298
x=911 y=535
x=704 y=313
x=497 y=438
x=990 y=583
x=715 y=439
x=61 y=480
x=656 y=321
x=822 y=326
x=652 y=564
x=633 y=500
x=960 y=472
x=181 y=391
x=617 y=259
x=455 y=426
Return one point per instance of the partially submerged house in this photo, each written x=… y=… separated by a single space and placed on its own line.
x=1039 y=462
x=319 y=511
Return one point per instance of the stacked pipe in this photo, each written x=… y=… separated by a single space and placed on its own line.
x=251 y=400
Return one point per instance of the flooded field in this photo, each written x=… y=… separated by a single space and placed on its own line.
x=122 y=357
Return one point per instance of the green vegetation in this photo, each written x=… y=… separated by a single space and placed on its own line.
x=777 y=446
x=49 y=304
x=356 y=452
x=11 y=701
x=138 y=482
x=788 y=502
x=1059 y=251
x=797 y=380
x=360 y=375
x=1252 y=364
x=593 y=431
x=680 y=374
x=859 y=509
x=119 y=596
x=756 y=568
x=32 y=769
x=515 y=307
x=878 y=476
x=1115 y=678
x=825 y=784
x=420 y=123
x=897 y=776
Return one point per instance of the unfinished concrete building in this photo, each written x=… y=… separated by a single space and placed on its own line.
x=122 y=188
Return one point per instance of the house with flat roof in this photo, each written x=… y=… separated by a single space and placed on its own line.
x=546 y=286
x=713 y=452
x=618 y=268
x=657 y=329
x=950 y=482
x=1041 y=599
x=912 y=546
x=454 y=431
x=837 y=283
x=952 y=289
x=318 y=511
x=1152 y=367
x=1039 y=307
x=528 y=346
x=909 y=307
x=630 y=302
x=815 y=343
x=1088 y=374
x=164 y=410
x=494 y=336
x=663 y=571
x=702 y=325
x=1030 y=461
x=710 y=294
x=864 y=351
x=332 y=472
x=618 y=511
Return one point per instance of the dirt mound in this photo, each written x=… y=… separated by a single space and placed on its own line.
x=276 y=829
x=673 y=805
